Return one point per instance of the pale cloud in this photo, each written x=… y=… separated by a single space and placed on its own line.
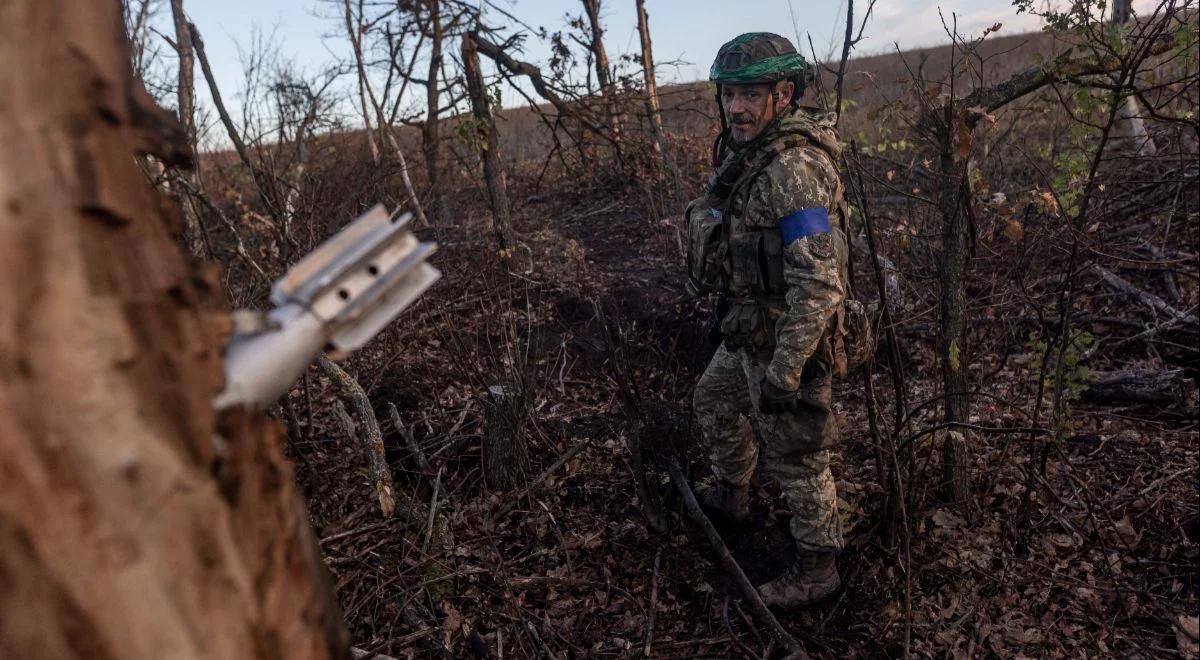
x=918 y=23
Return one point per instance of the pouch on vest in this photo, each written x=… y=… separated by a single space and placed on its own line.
x=853 y=342
x=705 y=250
x=744 y=326
x=758 y=262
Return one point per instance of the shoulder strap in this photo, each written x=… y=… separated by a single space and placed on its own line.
x=757 y=162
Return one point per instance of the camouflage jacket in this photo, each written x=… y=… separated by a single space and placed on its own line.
x=782 y=249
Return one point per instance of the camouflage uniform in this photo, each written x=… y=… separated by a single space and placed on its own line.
x=783 y=259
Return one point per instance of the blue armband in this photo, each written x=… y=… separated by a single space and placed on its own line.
x=805 y=222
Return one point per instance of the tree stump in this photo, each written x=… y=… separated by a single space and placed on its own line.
x=505 y=450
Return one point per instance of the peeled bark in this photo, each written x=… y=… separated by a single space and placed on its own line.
x=134 y=522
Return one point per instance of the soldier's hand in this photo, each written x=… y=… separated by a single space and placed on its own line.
x=773 y=399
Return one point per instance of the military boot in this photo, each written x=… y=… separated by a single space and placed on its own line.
x=726 y=501
x=812 y=578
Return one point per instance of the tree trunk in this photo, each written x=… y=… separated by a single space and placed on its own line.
x=489 y=146
x=134 y=523
x=603 y=70
x=354 y=32
x=653 y=108
x=505 y=454
x=354 y=29
x=956 y=454
x=193 y=232
x=430 y=131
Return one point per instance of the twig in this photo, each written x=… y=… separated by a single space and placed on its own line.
x=360 y=654
x=654 y=603
x=733 y=637
x=730 y=564
x=433 y=507
x=567 y=455
x=353 y=532
x=403 y=430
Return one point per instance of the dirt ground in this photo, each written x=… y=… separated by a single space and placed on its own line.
x=1105 y=565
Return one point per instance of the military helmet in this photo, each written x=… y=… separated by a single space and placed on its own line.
x=759 y=57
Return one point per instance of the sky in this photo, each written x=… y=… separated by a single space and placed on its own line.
x=687 y=32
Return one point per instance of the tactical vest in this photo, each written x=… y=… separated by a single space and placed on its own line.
x=754 y=258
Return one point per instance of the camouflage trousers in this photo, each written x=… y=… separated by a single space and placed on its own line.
x=797 y=445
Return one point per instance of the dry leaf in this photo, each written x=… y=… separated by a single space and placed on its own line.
x=452 y=623
x=1014 y=230
x=962 y=139
x=1190 y=625
x=943 y=518
x=1050 y=201
x=1129 y=535
x=1187 y=636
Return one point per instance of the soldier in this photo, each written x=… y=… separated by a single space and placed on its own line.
x=767 y=236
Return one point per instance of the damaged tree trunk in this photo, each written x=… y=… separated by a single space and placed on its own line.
x=134 y=522
x=603 y=68
x=489 y=146
x=653 y=110
x=430 y=130
x=193 y=231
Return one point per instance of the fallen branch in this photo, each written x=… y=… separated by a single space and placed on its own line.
x=730 y=564
x=1160 y=386
x=733 y=637
x=654 y=602
x=369 y=434
x=1145 y=297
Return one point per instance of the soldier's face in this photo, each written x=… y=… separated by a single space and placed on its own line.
x=749 y=108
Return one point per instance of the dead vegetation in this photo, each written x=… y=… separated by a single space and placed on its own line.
x=503 y=486
x=1074 y=530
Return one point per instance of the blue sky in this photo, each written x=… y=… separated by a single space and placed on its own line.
x=689 y=30
x=309 y=32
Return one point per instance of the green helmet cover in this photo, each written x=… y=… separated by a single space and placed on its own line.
x=757 y=57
